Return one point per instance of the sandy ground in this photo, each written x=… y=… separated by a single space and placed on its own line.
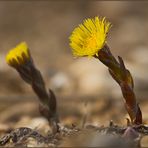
x=83 y=87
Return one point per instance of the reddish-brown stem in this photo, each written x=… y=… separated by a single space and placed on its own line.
x=48 y=105
x=124 y=78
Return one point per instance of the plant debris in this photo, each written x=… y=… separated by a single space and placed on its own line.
x=130 y=135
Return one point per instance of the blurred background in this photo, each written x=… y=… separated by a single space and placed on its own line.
x=83 y=86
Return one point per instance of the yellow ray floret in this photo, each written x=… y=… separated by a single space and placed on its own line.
x=88 y=38
x=18 y=55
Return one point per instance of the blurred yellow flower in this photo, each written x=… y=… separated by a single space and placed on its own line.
x=88 y=38
x=18 y=55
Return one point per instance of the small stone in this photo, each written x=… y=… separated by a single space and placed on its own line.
x=130 y=133
x=38 y=123
x=144 y=141
x=61 y=82
x=41 y=124
x=90 y=76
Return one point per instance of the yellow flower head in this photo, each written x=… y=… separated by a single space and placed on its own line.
x=18 y=55
x=88 y=38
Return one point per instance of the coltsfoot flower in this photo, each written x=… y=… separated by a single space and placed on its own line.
x=88 y=38
x=18 y=55
x=21 y=59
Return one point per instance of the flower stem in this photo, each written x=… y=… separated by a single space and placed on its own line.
x=48 y=105
x=124 y=78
